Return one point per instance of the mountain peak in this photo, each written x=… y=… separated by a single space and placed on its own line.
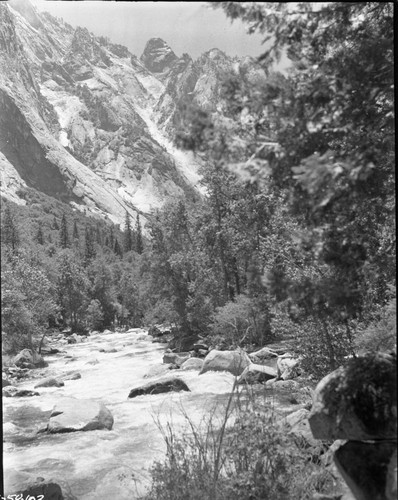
x=27 y=11
x=157 y=55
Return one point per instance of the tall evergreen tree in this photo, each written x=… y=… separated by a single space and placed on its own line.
x=75 y=231
x=39 y=235
x=139 y=246
x=98 y=235
x=89 y=250
x=63 y=233
x=117 y=249
x=128 y=235
x=10 y=236
x=55 y=224
x=111 y=238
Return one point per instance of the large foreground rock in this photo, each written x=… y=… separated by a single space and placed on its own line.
x=71 y=415
x=28 y=485
x=169 y=384
x=365 y=469
x=357 y=402
x=226 y=361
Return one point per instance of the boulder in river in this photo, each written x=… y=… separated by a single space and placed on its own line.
x=71 y=376
x=13 y=392
x=192 y=364
x=229 y=361
x=29 y=359
x=176 y=358
x=70 y=415
x=26 y=485
x=5 y=382
x=50 y=382
x=159 y=386
x=257 y=374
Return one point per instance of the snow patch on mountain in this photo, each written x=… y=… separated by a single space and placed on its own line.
x=185 y=161
x=66 y=106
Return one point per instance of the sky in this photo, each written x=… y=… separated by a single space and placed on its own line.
x=191 y=27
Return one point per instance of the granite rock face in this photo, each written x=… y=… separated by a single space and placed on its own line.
x=87 y=122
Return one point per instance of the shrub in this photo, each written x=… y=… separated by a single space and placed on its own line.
x=250 y=456
x=239 y=322
x=381 y=334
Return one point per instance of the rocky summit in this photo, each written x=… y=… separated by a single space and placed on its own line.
x=84 y=120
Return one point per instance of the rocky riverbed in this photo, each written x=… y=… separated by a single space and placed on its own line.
x=101 y=371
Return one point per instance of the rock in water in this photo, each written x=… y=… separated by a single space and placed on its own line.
x=257 y=374
x=170 y=384
x=30 y=359
x=29 y=486
x=192 y=364
x=14 y=392
x=72 y=415
x=176 y=358
x=50 y=382
x=229 y=361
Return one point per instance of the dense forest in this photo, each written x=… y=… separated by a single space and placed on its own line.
x=295 y=236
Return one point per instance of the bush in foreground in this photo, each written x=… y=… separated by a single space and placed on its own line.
x=249 y=457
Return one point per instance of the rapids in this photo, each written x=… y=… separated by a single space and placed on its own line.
x=105 y=464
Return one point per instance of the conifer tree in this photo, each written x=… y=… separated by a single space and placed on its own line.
x=55 y=224
x=117 y=249
x=139 y=247
x=98 y=235
x=10 y=236
x=63 y=235
x=111 y=238
x=39 y=235
x=75 y=231
x=128 y=236
x=89 y=252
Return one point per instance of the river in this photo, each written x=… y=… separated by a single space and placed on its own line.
x=104 y=464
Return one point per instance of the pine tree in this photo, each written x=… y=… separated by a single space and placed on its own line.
x=89 y=252
x=63 y=235
x=55 y=224
x=39 y=235
x=10 y=236
x=139 y=247
x=111 y=238
x=128 y=236
x=75 y=231
x=98 y=235
x=117 y=249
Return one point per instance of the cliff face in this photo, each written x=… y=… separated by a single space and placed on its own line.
x=86 y=121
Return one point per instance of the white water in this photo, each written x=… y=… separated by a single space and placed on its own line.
x=105 y=464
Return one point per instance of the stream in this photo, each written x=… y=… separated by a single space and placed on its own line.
x=104 y=463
